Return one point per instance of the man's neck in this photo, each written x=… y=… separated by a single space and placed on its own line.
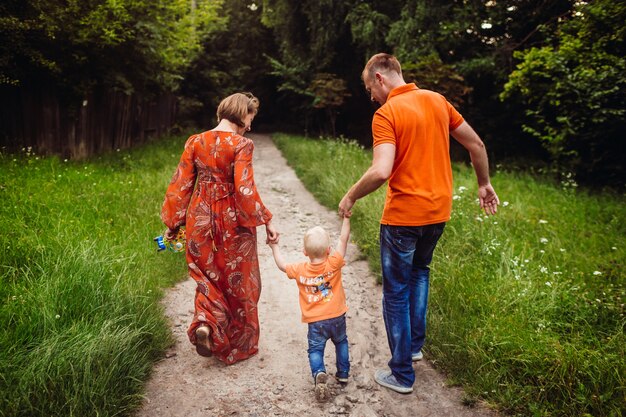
x=396 y=82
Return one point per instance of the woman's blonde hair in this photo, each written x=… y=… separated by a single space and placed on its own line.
x=236 y=107
x=316 y=242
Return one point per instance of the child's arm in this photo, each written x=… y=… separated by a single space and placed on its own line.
x=344 y=237
x=278 y=257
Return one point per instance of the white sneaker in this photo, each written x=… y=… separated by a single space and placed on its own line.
x=386 y=379
x=417 y=356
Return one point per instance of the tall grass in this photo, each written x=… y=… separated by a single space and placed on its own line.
x=80 y=280
x=527 y=307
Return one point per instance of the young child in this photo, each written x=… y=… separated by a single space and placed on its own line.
x=322 y=300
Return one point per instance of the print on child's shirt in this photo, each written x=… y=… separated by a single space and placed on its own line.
x=317 y=288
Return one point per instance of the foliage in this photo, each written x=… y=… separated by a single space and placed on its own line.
x=476 y=39
x=276 y=48
x=80 y=280
x=368 y=28
x=126 y=44
x=329 y=93
x=232 y=59
x=432 y=74
x=575 y=92
x=307 y=35
x=526 y=307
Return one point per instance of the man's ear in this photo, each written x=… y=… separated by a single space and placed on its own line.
x=379 y=78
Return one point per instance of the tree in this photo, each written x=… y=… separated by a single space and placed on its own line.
x=475 y=40
x=123 y=44
x=329 y=93
x=311 y=38
x=233 y=58
x=574 y=92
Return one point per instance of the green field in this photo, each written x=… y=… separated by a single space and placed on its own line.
x=526 y=307
x=81 y=280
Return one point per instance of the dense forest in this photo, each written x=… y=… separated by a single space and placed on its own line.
x=542 y=81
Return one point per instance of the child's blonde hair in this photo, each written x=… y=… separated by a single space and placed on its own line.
x=316 y=242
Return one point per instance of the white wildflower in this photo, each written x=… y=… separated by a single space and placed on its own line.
x=506 y=203
x=543 y=240
x=541 y=221
x=597 y=273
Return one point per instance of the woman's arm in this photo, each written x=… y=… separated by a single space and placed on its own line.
x=180 y=189
x=251 y=211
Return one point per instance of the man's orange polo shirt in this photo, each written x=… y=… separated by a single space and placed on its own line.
x=418 y=123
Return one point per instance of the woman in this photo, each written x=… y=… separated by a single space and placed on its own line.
x=212 y=193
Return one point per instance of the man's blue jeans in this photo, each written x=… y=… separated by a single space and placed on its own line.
x=319 y=332
x=405 y=253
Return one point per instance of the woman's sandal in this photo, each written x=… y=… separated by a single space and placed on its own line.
x=203 y=341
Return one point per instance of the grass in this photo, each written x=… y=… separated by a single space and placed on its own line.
x=80 y=280
x=527 y=307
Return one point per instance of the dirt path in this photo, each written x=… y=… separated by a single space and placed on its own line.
x=277 y=381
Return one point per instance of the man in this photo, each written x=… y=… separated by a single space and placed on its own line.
x=411 y=149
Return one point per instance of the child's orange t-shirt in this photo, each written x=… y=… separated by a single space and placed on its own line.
x=321 y=291
x=418 y=123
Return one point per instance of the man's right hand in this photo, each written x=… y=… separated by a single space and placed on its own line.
x=345 y=206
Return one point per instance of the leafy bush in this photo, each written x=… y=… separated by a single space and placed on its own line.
x=575 y=93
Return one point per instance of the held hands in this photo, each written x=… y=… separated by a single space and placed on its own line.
x=345 y=206
x=272 y=234
x=488 y=199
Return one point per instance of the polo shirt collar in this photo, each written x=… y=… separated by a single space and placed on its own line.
x=402 y=89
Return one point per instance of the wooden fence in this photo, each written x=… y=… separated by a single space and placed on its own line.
x=101 y=122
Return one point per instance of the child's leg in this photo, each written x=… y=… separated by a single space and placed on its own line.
x=340 y=339
x=317 y=342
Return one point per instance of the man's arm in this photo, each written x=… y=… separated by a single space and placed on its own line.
x=372 y=179
x=470 y=140
x=278 y=257
x=344 y=237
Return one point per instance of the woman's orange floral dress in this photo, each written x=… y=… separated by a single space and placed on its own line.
x=212 y=193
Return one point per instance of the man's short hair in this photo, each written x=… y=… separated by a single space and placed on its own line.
x=381 y=63
x=316 y=242
x=236 y=107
